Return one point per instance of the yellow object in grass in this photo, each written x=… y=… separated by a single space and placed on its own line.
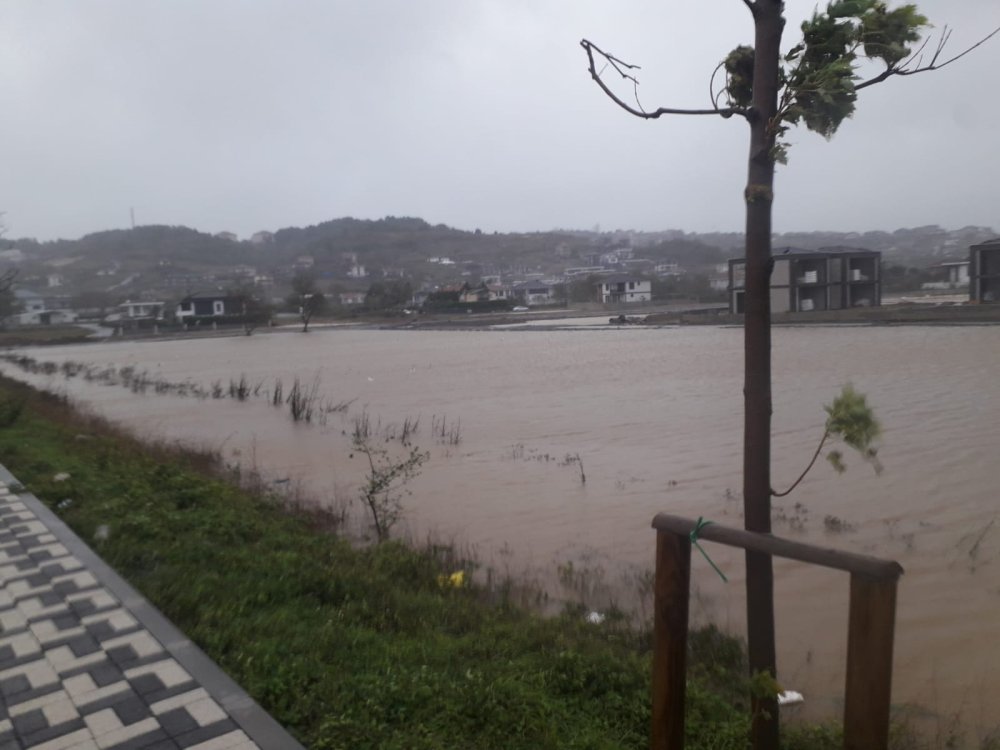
x=455 y=580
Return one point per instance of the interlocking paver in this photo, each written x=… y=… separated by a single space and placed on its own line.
x=80 y=670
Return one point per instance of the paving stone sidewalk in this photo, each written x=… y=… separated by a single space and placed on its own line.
x=87 y=663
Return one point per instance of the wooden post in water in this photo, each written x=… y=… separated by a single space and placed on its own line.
x=872 y=621
x=869 y=663
x=670 y=630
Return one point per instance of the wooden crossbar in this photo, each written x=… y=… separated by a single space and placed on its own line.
x=871 y=626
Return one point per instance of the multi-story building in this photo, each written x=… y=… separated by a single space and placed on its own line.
x=831 y=278
x=984 y=272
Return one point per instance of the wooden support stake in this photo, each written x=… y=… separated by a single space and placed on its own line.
x=670 y=630
x=869 y=663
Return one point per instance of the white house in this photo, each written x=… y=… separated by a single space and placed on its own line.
x=534 y=292
x=668 y=269
x=619 y=289
x=43 y=318
x=134 y=310
x=958 y=276
x=37 y=310
x=29 y=301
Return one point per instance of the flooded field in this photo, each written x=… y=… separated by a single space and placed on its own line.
x=655 y=417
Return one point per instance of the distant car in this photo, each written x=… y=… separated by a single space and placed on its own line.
x=519 y=308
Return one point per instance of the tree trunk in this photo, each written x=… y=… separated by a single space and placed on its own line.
x=769 y=23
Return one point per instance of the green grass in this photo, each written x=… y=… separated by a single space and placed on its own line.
x=346 y=647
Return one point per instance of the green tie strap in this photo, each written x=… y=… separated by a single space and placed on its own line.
x=693 y=536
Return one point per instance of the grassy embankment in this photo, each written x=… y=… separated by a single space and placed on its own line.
x=347 y=647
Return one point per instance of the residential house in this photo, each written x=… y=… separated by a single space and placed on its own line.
x=583 y=271
x=204 y=307
x=36 y=309
x=29 y=301
x=984 y=272
x=637 y=265
x=957 y=273
x=718 y=280
x=623 y=289
x=534 y=292
x=485 y=293
x=352 y=298
x=420 y=297
x=229 y=236
x=831 y=278
x=668 y=269
x=500 y=291
x=128 y=310
x=43 y=318
x=184 y=281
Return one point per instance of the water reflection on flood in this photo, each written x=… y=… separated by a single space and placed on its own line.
x=656 y=418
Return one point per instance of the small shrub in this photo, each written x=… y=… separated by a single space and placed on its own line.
x=11 y=408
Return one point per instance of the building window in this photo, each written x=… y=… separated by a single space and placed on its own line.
x=631 y=285
x=218 y=308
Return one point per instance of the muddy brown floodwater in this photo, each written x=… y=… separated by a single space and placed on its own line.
x=655 y=416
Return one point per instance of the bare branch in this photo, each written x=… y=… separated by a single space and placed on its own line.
x=903 y=69
x=7 y=279
x=711 y=86
x=917 y=57
x=621 y=67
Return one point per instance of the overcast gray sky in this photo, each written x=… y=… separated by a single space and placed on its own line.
x=257 y=114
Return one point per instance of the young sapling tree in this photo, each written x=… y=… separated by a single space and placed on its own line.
x=851 y=420
x=384 y=484
x=848 y=46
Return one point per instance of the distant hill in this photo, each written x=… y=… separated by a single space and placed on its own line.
x=143 y=244
x=171 y=260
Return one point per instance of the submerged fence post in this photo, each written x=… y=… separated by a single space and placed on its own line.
x=869 y=663
x=670 y=630
x=872 y=622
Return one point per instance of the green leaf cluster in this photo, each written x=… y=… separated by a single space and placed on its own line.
x=739 y=75
x=850 y=418
x=819 y=74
